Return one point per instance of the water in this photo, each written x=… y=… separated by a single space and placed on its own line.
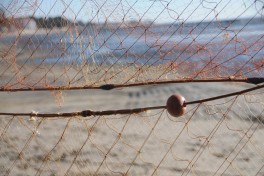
x=158 y=45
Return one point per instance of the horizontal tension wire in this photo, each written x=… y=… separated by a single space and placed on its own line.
x=253 y=80
x=86 y=113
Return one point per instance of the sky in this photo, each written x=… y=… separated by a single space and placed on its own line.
x=160 y=11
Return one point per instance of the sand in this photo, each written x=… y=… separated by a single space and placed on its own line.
x=215 y=140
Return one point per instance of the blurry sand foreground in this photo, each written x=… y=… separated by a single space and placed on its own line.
x=221 y=136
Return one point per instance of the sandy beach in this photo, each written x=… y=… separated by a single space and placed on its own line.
x=214 y=140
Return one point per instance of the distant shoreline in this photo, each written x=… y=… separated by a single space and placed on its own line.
x=131 y=24
x=40 y=31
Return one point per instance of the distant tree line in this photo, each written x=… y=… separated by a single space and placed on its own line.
x=57 y=22
x=52 y=22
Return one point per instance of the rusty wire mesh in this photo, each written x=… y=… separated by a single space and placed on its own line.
x=51 y=52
